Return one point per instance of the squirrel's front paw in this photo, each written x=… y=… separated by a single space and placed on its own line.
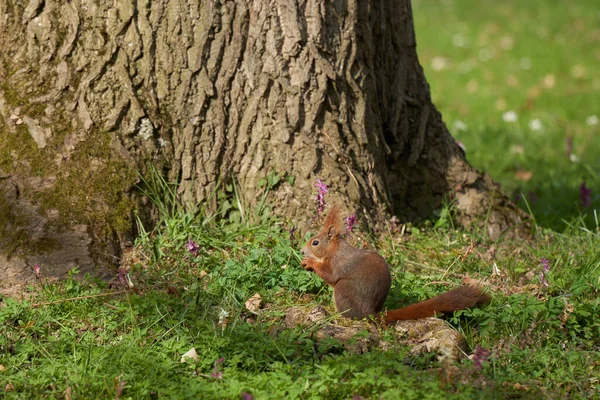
x=306 y=264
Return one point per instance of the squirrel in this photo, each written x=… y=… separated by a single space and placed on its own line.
x=361 y=278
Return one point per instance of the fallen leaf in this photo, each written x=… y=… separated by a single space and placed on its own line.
x=68 y=392
x=523 y=176
x=515 y=148
x=495 y=270
x=549 y=81
x=475 y=282
x=253 y=303
x=191 y=354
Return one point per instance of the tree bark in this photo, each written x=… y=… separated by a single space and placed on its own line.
x=214 y=90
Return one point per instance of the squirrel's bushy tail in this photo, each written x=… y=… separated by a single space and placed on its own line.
x=453 y=300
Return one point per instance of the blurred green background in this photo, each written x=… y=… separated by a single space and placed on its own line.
x=518 y=84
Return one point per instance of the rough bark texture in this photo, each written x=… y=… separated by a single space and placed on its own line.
x=208 y=90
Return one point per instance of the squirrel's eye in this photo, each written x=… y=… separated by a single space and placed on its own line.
x=315 y=243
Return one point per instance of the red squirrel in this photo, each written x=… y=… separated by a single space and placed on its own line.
x=361 y=278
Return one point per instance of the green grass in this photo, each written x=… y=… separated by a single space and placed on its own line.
x=544 y=339
x=538 y=58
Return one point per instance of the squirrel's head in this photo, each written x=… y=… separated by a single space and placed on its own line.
x=323 y=243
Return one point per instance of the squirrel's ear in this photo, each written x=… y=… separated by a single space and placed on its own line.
x=332 y=231
x=332 y=218
x=332 y=223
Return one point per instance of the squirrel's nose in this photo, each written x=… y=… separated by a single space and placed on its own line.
x=303 y=251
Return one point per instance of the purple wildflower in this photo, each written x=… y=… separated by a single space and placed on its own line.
x=247 y=396
x=532 y=197
x=545 y=263
x=544 y=272
x=217 y=373
x=119 y=388
x=585 y=195
x=192 y=247
x=122 y=276
x=37 y=272
x=480 y=356
x=543 y=279
x=322 y=190
x=350 y=222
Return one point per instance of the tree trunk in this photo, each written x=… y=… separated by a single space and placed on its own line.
x=90 y=92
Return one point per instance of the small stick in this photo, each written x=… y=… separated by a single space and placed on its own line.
x=91 y=296
x=438 y=283
x=111 y=306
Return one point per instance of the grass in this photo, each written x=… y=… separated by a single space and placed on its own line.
x=542 y=327
x=538 y=59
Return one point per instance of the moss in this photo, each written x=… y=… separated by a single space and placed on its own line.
x=91 y=187
x=13 y=233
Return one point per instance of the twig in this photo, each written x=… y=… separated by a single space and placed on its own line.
x=91 y=296
x=438 y=283
x=111 y=306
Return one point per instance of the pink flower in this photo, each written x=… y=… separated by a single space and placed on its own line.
x=322 y=190
x=585 y=195
x=544 y=272
x=292 y=232
x=217 y=373
x=480 y=356
x=119 y=388
x=192 y=247
x=350 y=222
x=36 y=271
x=546 y=264
x=122 y=276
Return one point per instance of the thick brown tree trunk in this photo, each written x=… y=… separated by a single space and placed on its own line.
x=209 y=90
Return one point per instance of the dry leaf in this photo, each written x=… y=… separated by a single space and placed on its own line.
x=68 y=392
x=496 y=271
x=515 y=148
x=568 y=309
x=191 y=354
x=2 y=367
x=253 y=303
x=475 y=282
x=549 y=81
x=523 y=176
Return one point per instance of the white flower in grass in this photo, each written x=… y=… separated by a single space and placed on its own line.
x=509 y=116
x=486 y=54
x=592 y=120
x=525 y=63
x=439 y=63
x=535 y=125
x=459 y=126
x=460 y=40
